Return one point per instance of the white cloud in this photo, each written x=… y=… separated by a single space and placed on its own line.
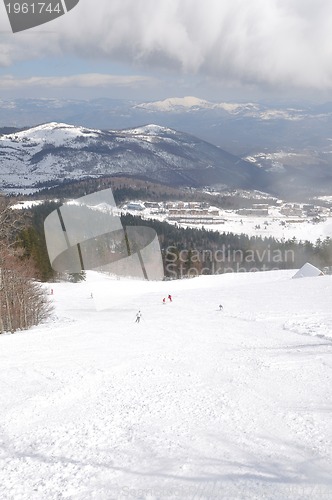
x=92 y=80
x=262 y=42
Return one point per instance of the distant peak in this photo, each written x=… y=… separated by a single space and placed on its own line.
x=53 y=131
x=150 y=129
x=191 y=103
x=172 y=103
x=187 y=101
x=52 y=125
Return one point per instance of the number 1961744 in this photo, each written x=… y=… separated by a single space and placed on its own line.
x=33 y=8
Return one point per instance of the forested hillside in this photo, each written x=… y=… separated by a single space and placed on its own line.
x=129 y=188
x=190 y=252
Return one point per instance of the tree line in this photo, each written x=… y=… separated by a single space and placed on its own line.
x=130 y=189
x=186 y=252
x=190 y=251
x=193 y=251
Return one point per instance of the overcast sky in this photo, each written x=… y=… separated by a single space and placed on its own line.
x=153 y=49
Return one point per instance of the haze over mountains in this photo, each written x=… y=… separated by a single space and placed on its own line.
x=287 y=149
x=241 y=128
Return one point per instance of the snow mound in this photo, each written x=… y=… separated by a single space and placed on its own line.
x=308 y=271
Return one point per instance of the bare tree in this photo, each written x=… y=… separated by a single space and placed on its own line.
x=10 y=222
x=23 y=301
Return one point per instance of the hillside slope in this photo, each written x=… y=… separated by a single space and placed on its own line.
x=54 y=152
x=192 y=402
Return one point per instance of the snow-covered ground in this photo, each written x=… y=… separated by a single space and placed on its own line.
x=278 y=226
x=191 y=403
x=273 y=225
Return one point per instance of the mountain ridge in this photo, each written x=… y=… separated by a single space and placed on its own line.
x=242 y=128
x=54 y=152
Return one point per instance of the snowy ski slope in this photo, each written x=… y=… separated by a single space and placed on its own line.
x=191 y=403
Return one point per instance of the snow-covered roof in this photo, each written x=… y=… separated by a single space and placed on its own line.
x=307 y=271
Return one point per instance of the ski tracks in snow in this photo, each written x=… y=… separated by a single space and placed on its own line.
x=191 y=403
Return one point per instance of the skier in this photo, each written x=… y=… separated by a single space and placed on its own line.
x=220 y=307
x=164 y=300
x=138 y=317
x=170 y=297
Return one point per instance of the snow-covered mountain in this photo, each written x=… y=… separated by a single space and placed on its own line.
x=241 y=128
x=54 y=152
x=289 y=146
x=191 y=103
x=191 y=403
